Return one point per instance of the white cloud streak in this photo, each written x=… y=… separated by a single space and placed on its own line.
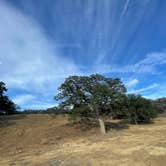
x=158 y=93
x=125 y=7
x=22 y=99
x=147 y=65
x=132 y=83
x=41 y=105
x=28 y=58
x=150 y=87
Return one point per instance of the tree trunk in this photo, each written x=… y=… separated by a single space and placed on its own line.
x=101 y=121
x=135 y=121
x=102 y=126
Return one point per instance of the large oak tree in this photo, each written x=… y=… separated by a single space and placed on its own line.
x=95 y=92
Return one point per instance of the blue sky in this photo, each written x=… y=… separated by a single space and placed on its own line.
x=44 y=41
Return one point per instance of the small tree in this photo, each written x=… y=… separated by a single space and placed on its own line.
x=6 y=105
x=2 y=88
x=160 y=104
x=95 y=92
x=139 y=109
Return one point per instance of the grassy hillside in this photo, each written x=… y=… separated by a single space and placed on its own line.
x=48 y=140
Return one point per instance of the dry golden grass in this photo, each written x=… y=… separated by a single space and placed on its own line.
x=47 y=140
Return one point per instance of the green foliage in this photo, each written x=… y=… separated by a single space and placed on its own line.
x=95 y=96
x=2 y=88
x=6 y=105
x=78 y=112
x=96 y=93
x=160 y=105
x=139 y=109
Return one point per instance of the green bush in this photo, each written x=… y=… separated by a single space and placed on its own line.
x=140 y=109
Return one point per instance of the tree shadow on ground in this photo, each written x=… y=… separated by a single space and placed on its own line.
x=120 y=125
x=88 y=125
x=144 y=123
x=7 y=120
x=162 y=115
x=83 y=125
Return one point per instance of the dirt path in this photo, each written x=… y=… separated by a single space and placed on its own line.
x=46 y=140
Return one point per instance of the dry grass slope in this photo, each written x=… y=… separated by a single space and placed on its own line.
x=47 y=140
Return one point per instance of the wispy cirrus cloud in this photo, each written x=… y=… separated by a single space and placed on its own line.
x=28 y=58
x=158 y=92
x=147 y=65
x=41 y=105
x=131 y=83
x=22 y=99
x=36 y=103
x=145 y=89
x=150 y=63
x=125 y=8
